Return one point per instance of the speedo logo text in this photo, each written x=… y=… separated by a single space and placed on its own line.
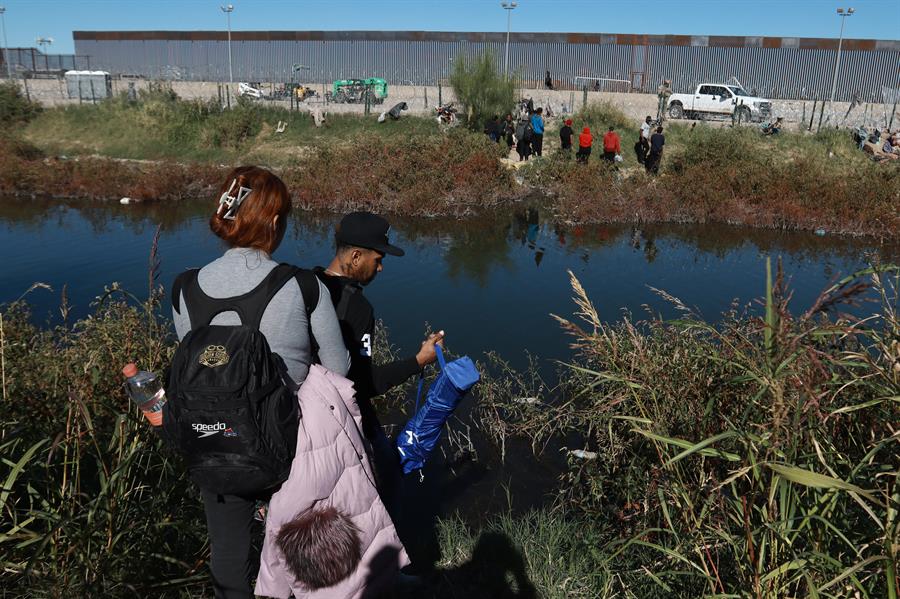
x=206 y=430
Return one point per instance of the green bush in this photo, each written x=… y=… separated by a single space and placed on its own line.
x=599 y=116
x=14 y=106
x=481 y=89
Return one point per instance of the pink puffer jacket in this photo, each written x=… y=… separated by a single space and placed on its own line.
x=331 y=468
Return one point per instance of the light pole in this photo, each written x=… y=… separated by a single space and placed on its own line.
x=5 y=46
x=43 y=42
x=837 y=61
x=228 y=9
x=508 y=7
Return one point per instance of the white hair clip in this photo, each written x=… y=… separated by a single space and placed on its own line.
x=232 y=202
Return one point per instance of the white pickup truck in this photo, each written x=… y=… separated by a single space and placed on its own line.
x=719 y=99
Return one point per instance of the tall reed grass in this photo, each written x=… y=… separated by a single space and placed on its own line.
x=754 y=458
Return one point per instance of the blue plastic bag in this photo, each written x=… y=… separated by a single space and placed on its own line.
x=420 y=435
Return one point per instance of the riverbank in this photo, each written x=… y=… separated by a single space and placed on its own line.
x=411 y=167
x=755 y=456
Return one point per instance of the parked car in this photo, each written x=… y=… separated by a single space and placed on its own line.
x=719 y=99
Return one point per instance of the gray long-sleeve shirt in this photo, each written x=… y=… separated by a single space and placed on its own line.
x=284 y=322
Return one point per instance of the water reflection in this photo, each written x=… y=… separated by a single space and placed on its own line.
x=492 y=281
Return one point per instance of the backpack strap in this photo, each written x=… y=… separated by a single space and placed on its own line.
x=178 y=284
x=309 y=288
x=249 y=306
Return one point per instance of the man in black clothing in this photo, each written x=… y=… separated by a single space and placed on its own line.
x=565 y=137
x=362 y=242
x=657 y=141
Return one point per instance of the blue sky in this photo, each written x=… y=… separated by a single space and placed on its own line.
x=29 y=19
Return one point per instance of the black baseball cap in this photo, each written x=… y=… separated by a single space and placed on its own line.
x=366 y=230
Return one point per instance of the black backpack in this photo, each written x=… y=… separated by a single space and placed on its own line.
x=229 y=412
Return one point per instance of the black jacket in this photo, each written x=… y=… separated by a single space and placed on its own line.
x=357 y=319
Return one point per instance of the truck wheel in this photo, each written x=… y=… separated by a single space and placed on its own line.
x=744 y=114
x=676 y=111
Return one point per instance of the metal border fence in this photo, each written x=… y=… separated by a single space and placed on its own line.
x=784 y=68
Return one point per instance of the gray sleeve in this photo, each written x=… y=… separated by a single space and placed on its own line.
x=325 y=327
x=182 y=321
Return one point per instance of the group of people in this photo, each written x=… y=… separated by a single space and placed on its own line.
x=612 y=144
x=649 y=146
x=526 y=133
x=329 y=528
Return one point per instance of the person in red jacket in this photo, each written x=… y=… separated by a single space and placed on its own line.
x=612 y=145
x=585 y=140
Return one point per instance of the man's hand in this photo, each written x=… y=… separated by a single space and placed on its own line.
x=427 y=354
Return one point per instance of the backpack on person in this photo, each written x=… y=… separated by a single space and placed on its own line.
x=229 y=411
x=529 y=132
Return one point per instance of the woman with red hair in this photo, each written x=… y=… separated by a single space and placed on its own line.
x=251 y=218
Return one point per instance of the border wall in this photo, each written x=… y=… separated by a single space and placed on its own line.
x=776 y=67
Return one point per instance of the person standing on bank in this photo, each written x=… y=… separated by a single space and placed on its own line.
x=585 y=140
x=646 y=132
x=251 y=219
x=657 y=141
x=612 y=145
x=566 y=134
x=361 y=241
x=537 y=136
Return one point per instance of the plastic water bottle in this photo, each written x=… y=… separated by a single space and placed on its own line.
x=147 y=391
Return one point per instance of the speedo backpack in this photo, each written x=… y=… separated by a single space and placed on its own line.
x=229 y=412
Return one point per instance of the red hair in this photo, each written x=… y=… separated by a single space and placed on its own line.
x=252 y=224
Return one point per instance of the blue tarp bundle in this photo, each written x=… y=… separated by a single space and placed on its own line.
x=418 y=438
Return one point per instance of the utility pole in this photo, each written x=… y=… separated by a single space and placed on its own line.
x=508 y=7
x=837 y=61
x=44 y=42
x=228 y=9
x=5 y=45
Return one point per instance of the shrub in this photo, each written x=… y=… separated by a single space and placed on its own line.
x=481 y=89
x=599 y=116
x=14 y=106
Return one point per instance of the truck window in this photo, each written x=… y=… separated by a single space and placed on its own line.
x=707 y=90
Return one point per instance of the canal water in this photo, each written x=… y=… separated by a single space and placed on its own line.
x=490 y=283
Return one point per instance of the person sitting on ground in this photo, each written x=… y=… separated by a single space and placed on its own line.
x=773 y=128
x=611 y=145
x=585 y=140
x=565 y=137
x=548 y=81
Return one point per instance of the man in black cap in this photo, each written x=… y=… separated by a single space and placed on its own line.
x=362 y=241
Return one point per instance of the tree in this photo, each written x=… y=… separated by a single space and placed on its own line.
x=481 y=89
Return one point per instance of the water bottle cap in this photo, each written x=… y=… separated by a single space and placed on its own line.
x=130 y=370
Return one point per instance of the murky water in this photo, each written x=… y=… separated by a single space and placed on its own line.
x=490 y=283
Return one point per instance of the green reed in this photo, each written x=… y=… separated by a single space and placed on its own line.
x=754 y=458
